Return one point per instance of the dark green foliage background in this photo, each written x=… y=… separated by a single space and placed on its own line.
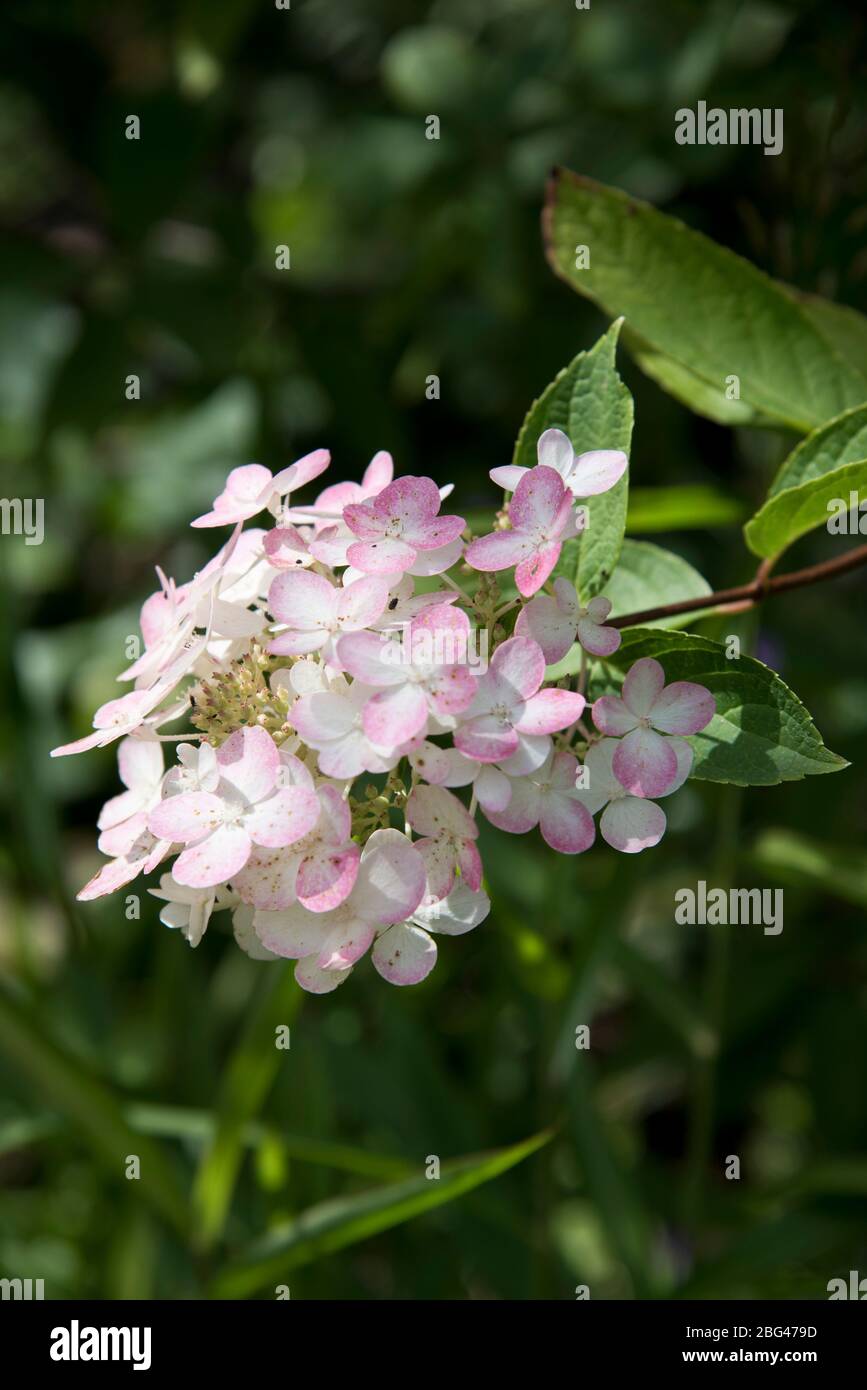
x=412 y=257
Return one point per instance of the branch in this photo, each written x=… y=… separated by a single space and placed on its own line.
x=748 y=595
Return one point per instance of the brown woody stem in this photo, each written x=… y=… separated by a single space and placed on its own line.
x=748 y=595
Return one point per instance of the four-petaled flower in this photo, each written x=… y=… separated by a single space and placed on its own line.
x=548 y=798
x=420 y=674
x=541 y=518
x=585 y=475
x=509 y=712
x=628 y=823
x=317 y=612
x=644 y=761
x=248 y=807
x=401 y=520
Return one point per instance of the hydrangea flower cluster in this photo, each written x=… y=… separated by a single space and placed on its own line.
x=342 y=687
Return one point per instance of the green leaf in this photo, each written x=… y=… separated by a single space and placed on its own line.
x=791 y=514
x=841 y=441
x=89 y=1104
x=648 y=576
x=687 y=508
x=811 y=476
x=688 y=299
x=600 y=417
x=688 y=388
x=248 y=1078
x=589 y=402
x=845 y=328
x=344 y=1221
x=760 y=735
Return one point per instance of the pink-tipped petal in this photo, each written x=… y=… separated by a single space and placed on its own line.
x=325 y=880
x=378 y=473
x=596 y=471
x=631 y=825
x=566 y=825
x=302 y=471
x=282 y=818
x=396 y=715
x=249 y=761
x=683 y=708
x=519 y=665
x=522 y=810
x=345 y=945
x=384 y=556
x=359 y=604
x=550 y=711
x=645 y=763
x=440 y=863
x=501 y=550
x=305 y=601
x=537 y=500
x=404 y=954
x=531 y=573
x=434 y=533
x=486 y=739
x=596 y=639
x=452 y=689
x=215 y=859
x=470 y=865
x=611 y=716
x=184 y=818
x=391 y=878
x=684 y=755
x=543 y=621
x=286 y=549
x=643 y=686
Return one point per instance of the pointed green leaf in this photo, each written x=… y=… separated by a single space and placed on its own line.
x=712 y=313
x=791 y=514
x=825 y=467
x=344 y=1221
